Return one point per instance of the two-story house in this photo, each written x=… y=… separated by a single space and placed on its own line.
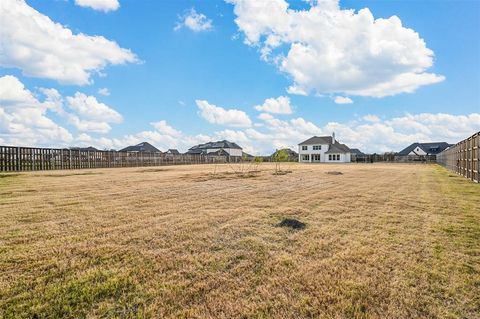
x=217 y=148
x=323 y=149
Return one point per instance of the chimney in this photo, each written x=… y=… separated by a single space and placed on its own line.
x=333 y=138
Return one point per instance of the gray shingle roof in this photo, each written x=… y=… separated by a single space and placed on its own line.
x=338 y=148
x=142 y=147
x=356 y=151
x=429 y=148
x=318 y=140
x=84 y=149
x=173 y=151
x=218 y=145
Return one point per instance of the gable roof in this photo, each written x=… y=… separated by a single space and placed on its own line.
x=214 y=145
x=338 y=148
x=429 y=148
x=173 y=151
x=196 y=151
x=246 y=155
x=356 y=151
x=318 y=140
x=219 y=152
x=142 y=147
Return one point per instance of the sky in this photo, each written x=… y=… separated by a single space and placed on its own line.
x=264 y=74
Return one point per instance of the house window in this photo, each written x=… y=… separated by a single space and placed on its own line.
x=316 y=157
x=304 y=147
x=317 y=147
x=305 y=157
x=329 y=157
x=338 y=157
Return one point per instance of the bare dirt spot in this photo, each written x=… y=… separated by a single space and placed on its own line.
x=283 y=172
x=73 y=174
x=292 y=223
x=152 y=170
x=8 y=175
x=227 y=176
x=334 y=173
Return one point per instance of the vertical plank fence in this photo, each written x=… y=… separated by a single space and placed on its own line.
x=463 y=158
x=18 y=159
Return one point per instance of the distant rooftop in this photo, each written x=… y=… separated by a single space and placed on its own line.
x=213 y=145
x=141 y=147
x=433 y=148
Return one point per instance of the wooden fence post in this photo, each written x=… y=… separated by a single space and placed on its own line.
x=17 y=153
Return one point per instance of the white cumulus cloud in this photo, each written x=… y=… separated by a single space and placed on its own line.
x=104 y=91
x=197 y=22
x=329 y=50
x=88 y=107
x=371 y=118
x=24 y=119
x=342 y=100
x=279 y=105
x=100 y=5
x=32 y=42
x=218 y=115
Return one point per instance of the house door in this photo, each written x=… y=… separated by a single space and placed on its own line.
x=316 y=158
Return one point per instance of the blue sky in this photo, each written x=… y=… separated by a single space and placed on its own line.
x=177 y=73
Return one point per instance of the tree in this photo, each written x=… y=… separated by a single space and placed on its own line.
x=278 y=157
x=257 y=160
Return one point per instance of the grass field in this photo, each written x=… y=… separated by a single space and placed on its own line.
x=381 y=241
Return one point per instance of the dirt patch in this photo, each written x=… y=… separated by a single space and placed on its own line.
x=152 y=170
x=334 y=173
x=227 y=176
x=282 y=173
x=292 y=223
x=8 y=175
x=73 y=174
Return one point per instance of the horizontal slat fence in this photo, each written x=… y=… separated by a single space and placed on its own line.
x=463 y=158
x=17 y=159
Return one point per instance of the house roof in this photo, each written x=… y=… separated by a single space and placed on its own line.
x=196 y=151
x=83 y=149
x=318 y=140
x=429 y=148
x=247 y=155
x=356 y=151
x=142 y=147
x=338 y=148
x=173 y=151
x=218 y=144
x=219 y=152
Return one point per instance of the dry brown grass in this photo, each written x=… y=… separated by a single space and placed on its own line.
x=381 y=241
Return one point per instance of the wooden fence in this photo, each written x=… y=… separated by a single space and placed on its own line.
x=16 y=159
x=463 y=158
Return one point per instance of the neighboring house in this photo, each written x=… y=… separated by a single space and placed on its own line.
x=142 y=147
x=247 y=156
x=292 y=155
x=356 y=154
x=423 y=149
x=323 y=149
x=215 y=148
x=84 y=149
x=172 y=151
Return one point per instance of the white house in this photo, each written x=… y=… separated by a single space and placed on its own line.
x=323 y=149
x=216 y=148
x=422 y=149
